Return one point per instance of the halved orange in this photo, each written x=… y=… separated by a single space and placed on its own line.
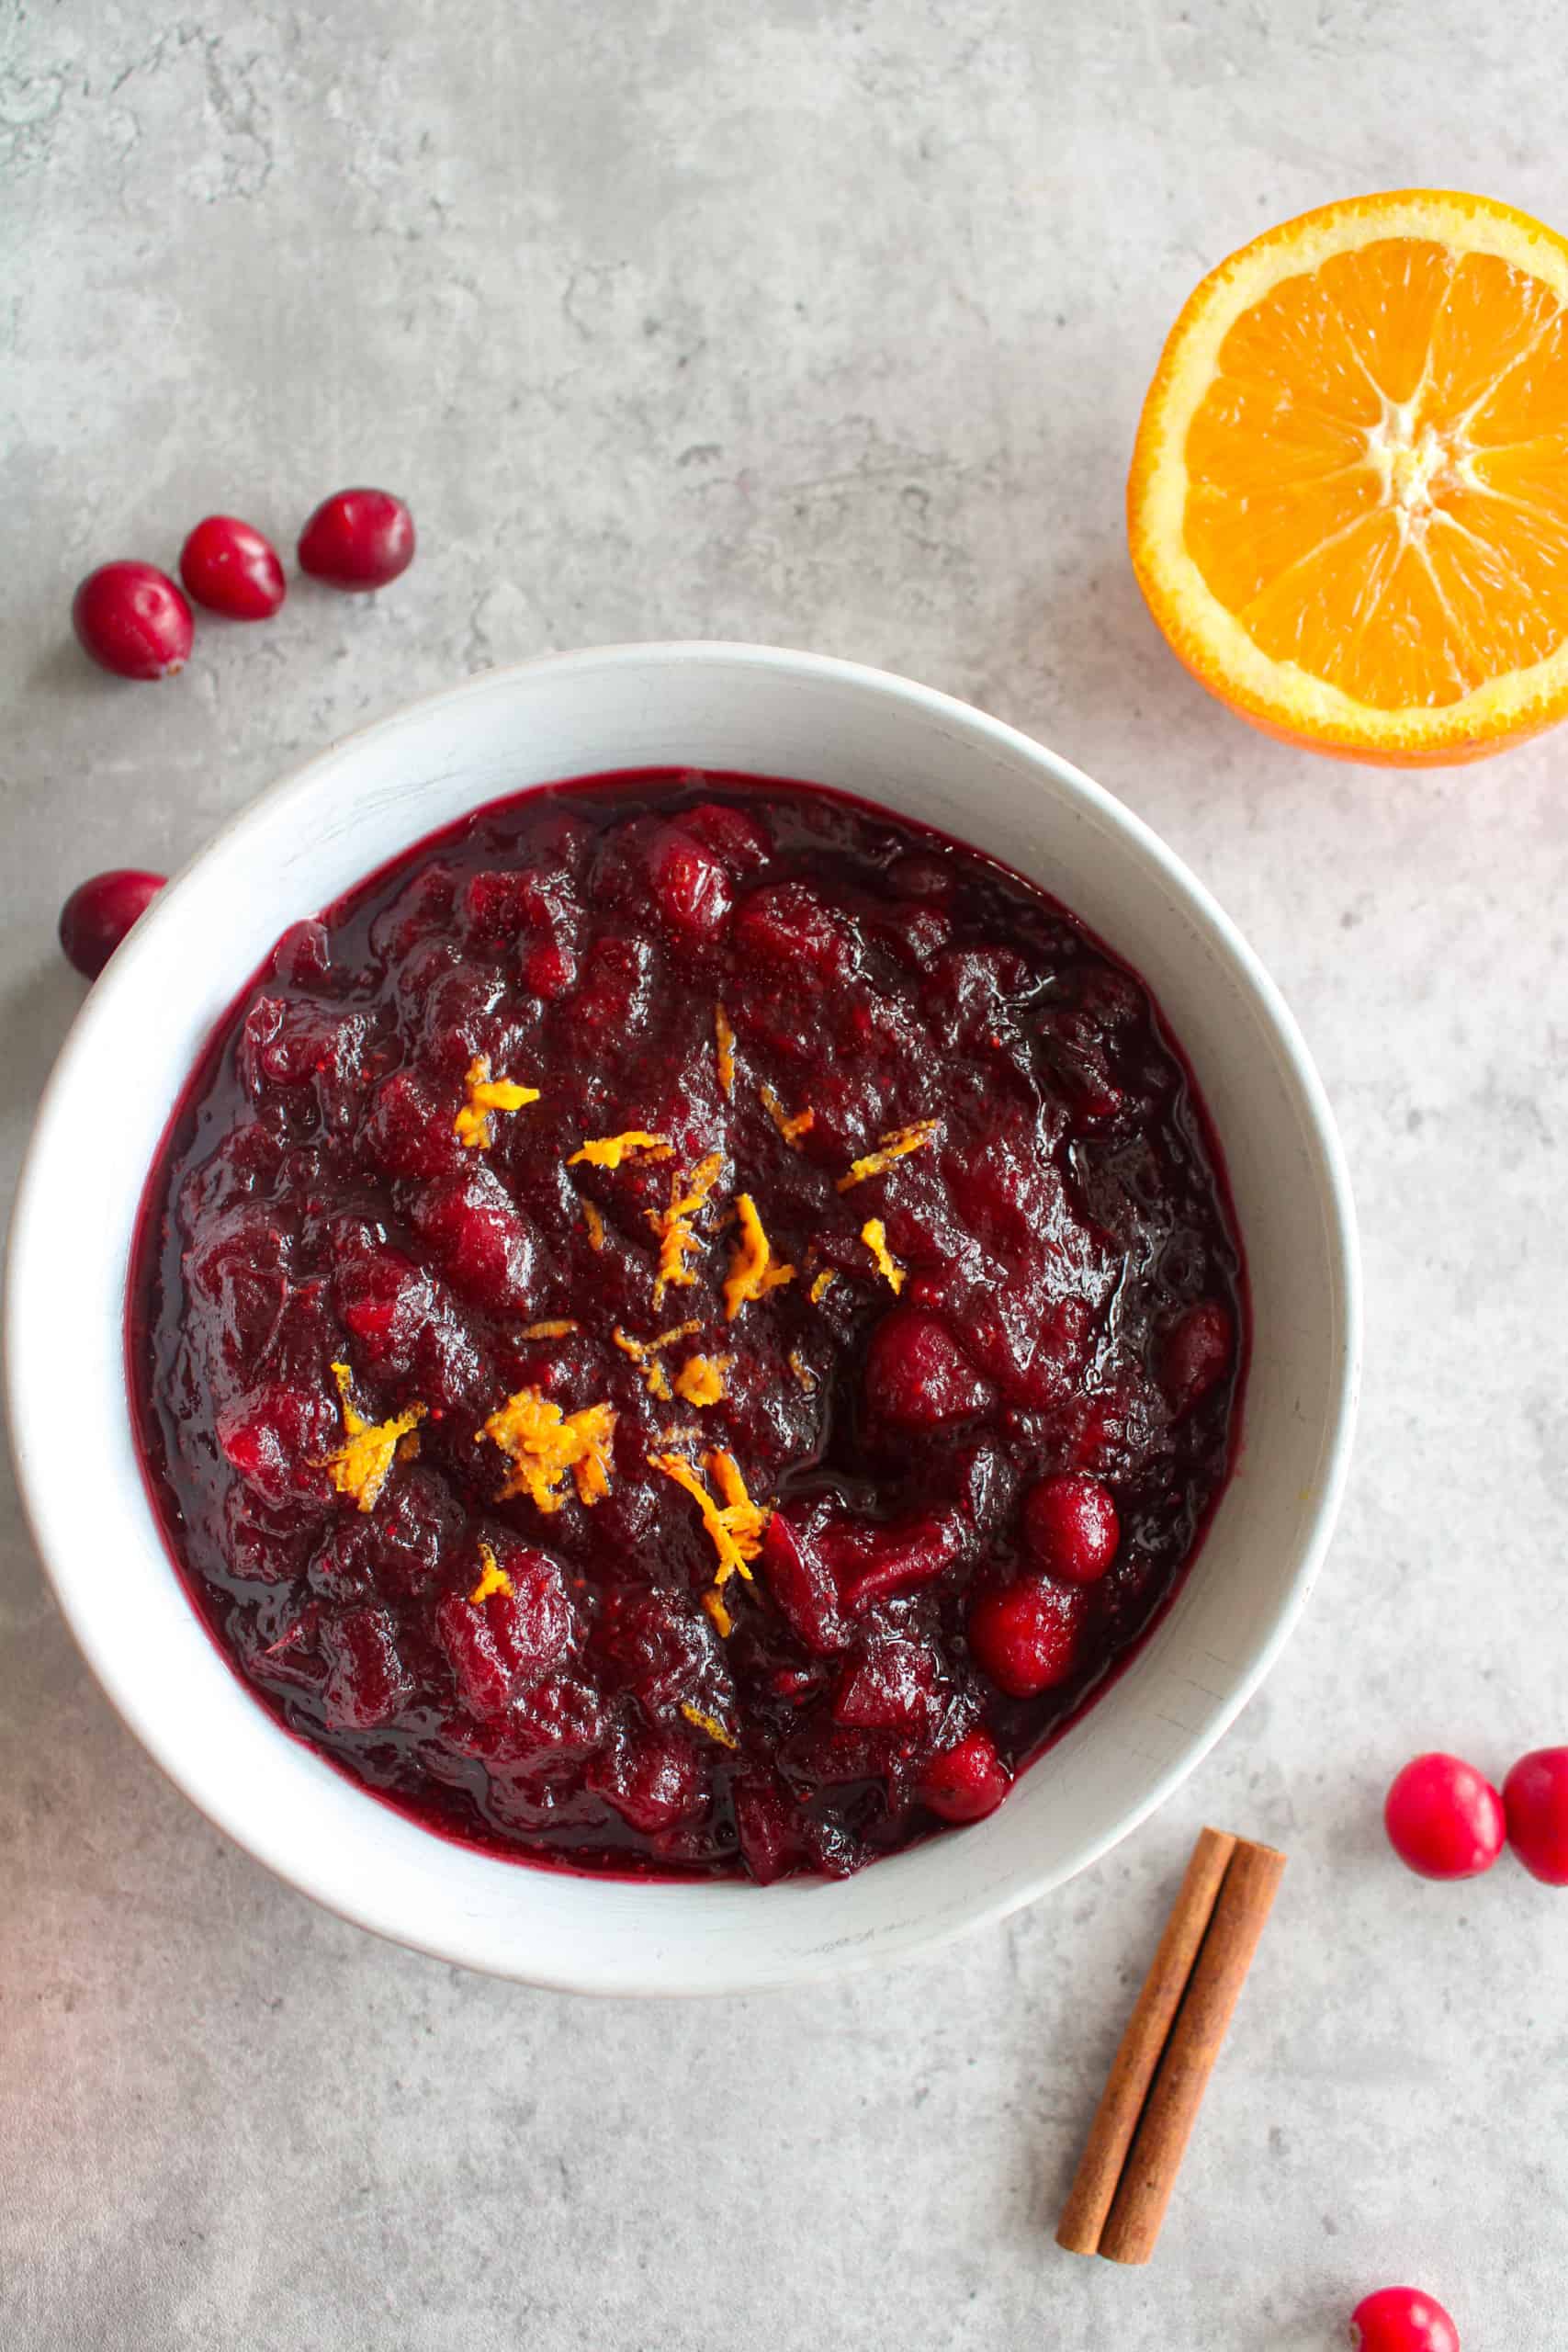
x=1348 y=502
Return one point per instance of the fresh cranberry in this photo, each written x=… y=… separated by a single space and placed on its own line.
x=1444 y=1818
x=1535 y=1799
x=1195 y=1351
x=1071 y=1528
x=133 y=619
x=229 y=568
x=99 y=912
x=965 y=1782
x=357 y=540
x=1025 y=1636
x=916 y=1372
x=1402 y=2319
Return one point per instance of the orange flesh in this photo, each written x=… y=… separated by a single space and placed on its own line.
x=1378 y=474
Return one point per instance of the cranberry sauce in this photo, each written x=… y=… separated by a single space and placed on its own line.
x=684 y=1327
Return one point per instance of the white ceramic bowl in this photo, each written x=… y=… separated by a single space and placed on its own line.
x=311 y=836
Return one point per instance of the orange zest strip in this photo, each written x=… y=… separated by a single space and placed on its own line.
x=791 y=1129
x=608 y=1151
x=723 y=1622
x=874 y=1233
x=802 y=1372
x=896 y=1145
x=595 y=1224
x=724 y=1036
x=821 y=1286
x=752 y=1271
x=559 y=1330
x=688 y=1198
x=543 y=1443
x=494 y=1579
x=735 y=1525
x=360 y=1465
x=474 y=1125
x=710 y=1724
x=700 y=1380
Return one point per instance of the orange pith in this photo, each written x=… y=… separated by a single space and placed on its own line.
x=1348 y=504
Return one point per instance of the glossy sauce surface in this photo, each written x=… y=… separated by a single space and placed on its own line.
x=660 y=1543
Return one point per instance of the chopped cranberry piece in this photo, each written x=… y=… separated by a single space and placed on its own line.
x=133 y=619
x=1071 y=1528
x=1026 y=1636
x=1402 y=2319
x=691 y=887
x=508 y=1638
x=965 y=1782
x=229 y=568
x=275 y=1437
x=99 y=912
x=917 y=1373
x=890 y=1687
x=481 y=1240
x=802 y=1585
x=549 y=971
x=358 y=540
x=366 y=1680
x=732 y=834
x=1195 y=1353
x=765 y=1823
x=409 y=1126
x=1444 y=1818
x=869 y=1561
x=1535 y=1799
x=788 y=923
x=652 y=1782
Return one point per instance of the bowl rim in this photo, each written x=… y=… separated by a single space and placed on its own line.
x=129 y=1692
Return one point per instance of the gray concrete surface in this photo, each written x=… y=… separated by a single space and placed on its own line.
x=825 y=325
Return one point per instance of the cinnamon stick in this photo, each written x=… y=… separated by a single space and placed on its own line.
x=1133 y=2068
x=1149 y=2175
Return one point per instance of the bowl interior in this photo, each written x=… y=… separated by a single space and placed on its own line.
x=308 y=840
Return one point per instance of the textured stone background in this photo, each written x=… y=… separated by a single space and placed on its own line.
x=826 y=325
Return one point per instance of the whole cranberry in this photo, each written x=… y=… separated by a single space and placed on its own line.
x=133 y=619
x=1025 y=1636
x=1444 y=1818
x=1195 y=1351
x=1070 y=1527
x=1535 y=1799
x=229 y=568
x=99 y=912
x=1402 y=2319
x=966 y=1781
x=357 y=540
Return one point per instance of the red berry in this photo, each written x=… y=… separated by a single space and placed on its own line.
x=1195 y=1351
x=357 y=539
x=1026 y=1636
x=1402 y=2319
x=133 y=619
x=230 y=569
x=1071 y=1528
x=1444 y=1818
x=1535 y=1799
x=98 y=913
x=916 y=1372
x=966 y=1782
